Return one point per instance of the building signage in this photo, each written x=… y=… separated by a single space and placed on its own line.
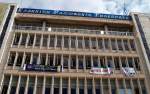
x=32 y=67
x=71 y=13
x=100 y=70
x=129 y=72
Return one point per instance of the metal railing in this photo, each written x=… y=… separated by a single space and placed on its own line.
x=73 y=30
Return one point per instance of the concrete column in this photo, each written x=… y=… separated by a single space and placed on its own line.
x=62 y=42
x=116 y=45
x=27 y=40
x=85 y=86
x=69 y=43
x=132 y=86
x=91 y=61
x=44 y=25
x=23 y=59
x=43 y=91
x=52 y=85
x=9 y=86
x=113 y=64
x=117 y=88
x=20 y=40
x=35 y=85
x=34 y=41
x=77 y=86
x=69 y=86
x=41 y=41
x=17 y=89
x=69 y=65
x=97 y=44
x=1 y=83
x=84 y=63
x=31 y=58
x=93 y=85
x=90 y=44
x=109 y=85
x=76 y=43
x=39 y=58
x=48 y=41
x=130 y=50
x=15 y=61
x=83 y=43
x=26 y=88
x=99 y=61
x=106 y=29
x=12 y=40
x=61 y=62
x=7 y=59
x=120 y=63
x=54 y=60
x=60 y=91
x=124 y=85
x=139 y=86
x=76 y=63
x=101 y=85
x=46 y=58
x=55 y=42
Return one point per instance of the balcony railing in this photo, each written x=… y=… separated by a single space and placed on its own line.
x=73 y=30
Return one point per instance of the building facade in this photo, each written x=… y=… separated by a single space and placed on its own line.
x=56 y=53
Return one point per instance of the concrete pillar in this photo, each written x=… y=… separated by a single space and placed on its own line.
x=44 y=25
x=106 y=29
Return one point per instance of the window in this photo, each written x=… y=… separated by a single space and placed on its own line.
x=86 y=40
x=143 y=87
x=39 y=85
x=65 y=62
x=19 y=60
x=95 y=62
x=73 y=86
x=11 y=59
x=119 y=45
x=35 y=59
x=38 y=39
x=81 y=86
x=102 y=62
x=16 y=39
x=116 y=62
x=5 y=84
x=57 y=60
x=130 y=63
x=48 y=86
x=23 y=42
x=135 y=85
x=113 y=86
x=120 y=85
x=27 y=59
x=93 y=43
x=42 y=59
x=59 y=41
x=45 y=41
x=73 y=62
x=50 y=60
x=80 y=62
x=100 y=43
x=109 y=62
x=66 y=42
x=107 y=46
x=73 y=42
x=128 y=86
x=56 y=85
x=105 y=87
x=88 y=62
x=64 y=85
x=89 y=86
x=31 y=40
x=14 y=84
x=126 y=45
x=52 y=41
x=97 y=86
x=113 y=44
x=123 y=60
x=132 y=45
x=79 y=42
x=137 y=64
x=31 y=85
x=22 y=85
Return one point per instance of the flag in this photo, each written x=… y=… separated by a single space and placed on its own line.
x=125 y=10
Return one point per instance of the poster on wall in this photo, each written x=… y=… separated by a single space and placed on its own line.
x=100 y=70
x=129 y=72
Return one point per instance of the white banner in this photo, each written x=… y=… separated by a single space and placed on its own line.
x=129 y=72
x=100 y=70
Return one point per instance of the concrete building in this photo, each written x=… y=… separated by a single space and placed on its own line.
x=61 y=52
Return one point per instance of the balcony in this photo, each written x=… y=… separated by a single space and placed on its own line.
x=56 y=29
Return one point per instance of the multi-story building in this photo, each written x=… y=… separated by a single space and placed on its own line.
x=62 y=52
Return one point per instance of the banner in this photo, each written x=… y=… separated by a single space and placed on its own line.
x=129 y=72
x=32 y=67
x=100 y=70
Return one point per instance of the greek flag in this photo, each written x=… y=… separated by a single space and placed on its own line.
x=124 y=11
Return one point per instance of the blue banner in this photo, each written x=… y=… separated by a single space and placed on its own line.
x=71 y=13
x=32 y=67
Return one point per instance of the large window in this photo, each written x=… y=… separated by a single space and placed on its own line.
x=39 y=87
x=80 y=62
x=66 y=42
x=86 y=41
x=38 y=39
x=22 y=85
x=16 y=39
x=50 y=60
x=135 y=85
x=19 y=59
x=45 y=41
x=81 y=86
x=97 y=86
x=31 y=85
x=120 y=85
x=109 y=62
x=23 y=42
x=11 y=59
x=65 y=62
x=105 y=87
x=119 y=45
x=48 y=86
x=73 y=86
x=64 y=86
x=143 y=87
x=113 y=44
x=95 y=62
x=126 y=45
x=52 y=41
x=88 y=62
x=35 y=59
x=132 y=45
x=73 y=43
x=73 y=62
x=80 y=43
x=56 y=85
x=27 y=58
x=93 y=43
x=5 y=84
x=14 y=84
x=128 y=87
x=107 y=45
x=31 y=40
x=113 y=87
x=42 y=59
x=100 y=43
x=137 y=64
x=130 y=62
x=59 y=41
x=116 y=62
x=123 y=60
x=102 y=62
x=89 y=86
x=57 y=60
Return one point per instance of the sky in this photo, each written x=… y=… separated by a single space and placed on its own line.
x=93 y=6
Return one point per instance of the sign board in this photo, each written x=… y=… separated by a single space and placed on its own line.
x=100 y=70
x=129 y=72
x=32 y=67
x=71 y=13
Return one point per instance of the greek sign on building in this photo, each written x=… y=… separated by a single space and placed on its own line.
x=129 y=72
x=100 y=70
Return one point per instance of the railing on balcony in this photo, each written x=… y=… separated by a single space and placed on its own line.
x=74 y=30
